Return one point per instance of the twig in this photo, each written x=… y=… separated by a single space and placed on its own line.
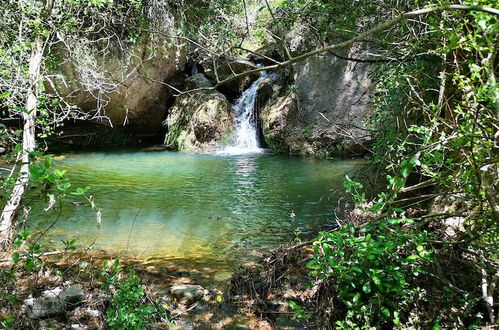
x=417 y=186
x=133 y=223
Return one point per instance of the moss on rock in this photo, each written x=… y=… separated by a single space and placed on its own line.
x=199 y=122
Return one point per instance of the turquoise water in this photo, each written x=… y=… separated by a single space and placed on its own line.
x=190 y=207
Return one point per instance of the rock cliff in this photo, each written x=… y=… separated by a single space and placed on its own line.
x=324 y=112
x=129 y=89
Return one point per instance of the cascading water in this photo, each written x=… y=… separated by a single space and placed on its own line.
x=245 y=125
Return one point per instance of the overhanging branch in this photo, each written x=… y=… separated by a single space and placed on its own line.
x=345 y=44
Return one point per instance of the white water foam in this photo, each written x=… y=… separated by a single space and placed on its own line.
x=245 y=140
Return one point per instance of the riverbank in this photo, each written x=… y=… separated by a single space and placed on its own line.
x=277 y=290
x=39 y=287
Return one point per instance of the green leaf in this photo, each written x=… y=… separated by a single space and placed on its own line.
x=80 y=191
x=406 y=167
x=63 y=186
x=30 y=264
x=50 y=178
x=16 y=257
x=436 y=325
x=17 y=148
x=366 y=288
x=357 y=269
x=48 y=162
x=312 y=264
x=368 y=238
x=36 y=171
x=60 y=173
x=376 y=280
x=6 y=94
x=24 y=110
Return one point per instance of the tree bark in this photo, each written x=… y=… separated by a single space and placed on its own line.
x=14 y=203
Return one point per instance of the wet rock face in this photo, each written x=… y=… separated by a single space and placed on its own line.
x=264 y=91
x=199 y=121
x=325 y=113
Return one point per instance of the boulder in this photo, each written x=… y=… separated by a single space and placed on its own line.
x=132 y=86
x=72 y=296
x=267 y=54
x=325 y=113
x=187 y=293
x=264 y=91
x=201 y=122
x=53 y=302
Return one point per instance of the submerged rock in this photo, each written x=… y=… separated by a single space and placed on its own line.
x=187 y=293
x=53 y=302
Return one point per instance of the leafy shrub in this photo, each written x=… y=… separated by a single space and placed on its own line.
x=129 y=306
x=371 y=269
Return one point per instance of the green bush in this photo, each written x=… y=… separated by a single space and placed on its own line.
x=129 y=308
x=371 y=269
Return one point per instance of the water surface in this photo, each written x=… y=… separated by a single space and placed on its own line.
x=206 y=209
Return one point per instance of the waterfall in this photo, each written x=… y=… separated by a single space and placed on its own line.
x=245 y=138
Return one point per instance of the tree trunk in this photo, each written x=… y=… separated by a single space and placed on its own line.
x=9 y=212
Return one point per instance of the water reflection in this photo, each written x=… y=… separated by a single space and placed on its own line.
x=245 y=177
x=197 y=208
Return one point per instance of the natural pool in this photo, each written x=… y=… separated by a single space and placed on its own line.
x=191 y=208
